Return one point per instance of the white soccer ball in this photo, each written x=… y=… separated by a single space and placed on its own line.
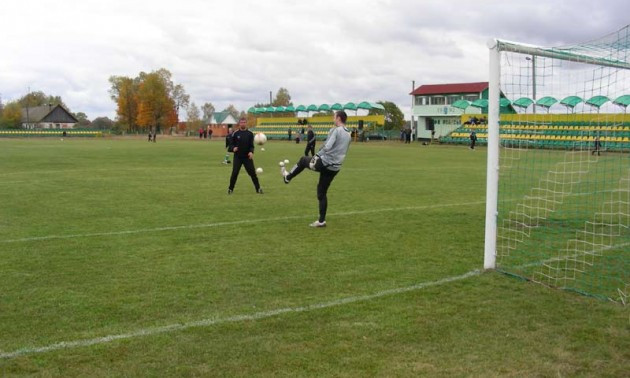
x=262 y=149
x=260 y=139
x=281 y=164
x=286 y=161
x=259 y=170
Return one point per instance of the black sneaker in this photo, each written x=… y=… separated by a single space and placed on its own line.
x=230 y=191
x=260 y=191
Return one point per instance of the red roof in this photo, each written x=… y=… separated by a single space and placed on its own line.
x=433 y=89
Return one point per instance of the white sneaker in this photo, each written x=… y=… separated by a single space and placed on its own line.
x=318 y=224
x=284 y=174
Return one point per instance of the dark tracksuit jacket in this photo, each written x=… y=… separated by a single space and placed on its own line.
x=244 y=140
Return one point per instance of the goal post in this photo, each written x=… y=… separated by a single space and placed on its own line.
x=558 y=164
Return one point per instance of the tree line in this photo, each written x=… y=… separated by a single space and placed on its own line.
x=153 y=101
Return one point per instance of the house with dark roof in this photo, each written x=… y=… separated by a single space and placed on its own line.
x=47 y=117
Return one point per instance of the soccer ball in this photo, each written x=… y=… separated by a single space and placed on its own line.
x=286 y=161
x=259 y=170
x=262 y=149
x=260 y=139
x=281 y=164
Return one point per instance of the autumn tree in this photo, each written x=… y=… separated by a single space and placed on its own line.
x=233 y=111
x=194 y=117
x=156 y=108
x=39 y=98
x=149 y=100
x=124 y=91
x=283 y=98
x=102 y=123
x=208 y=110
x=11 y=116
x=83 y=120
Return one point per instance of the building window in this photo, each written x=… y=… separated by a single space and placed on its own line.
x=421 y=100
x=472 y=97
x=437 y=100
x=451 y=99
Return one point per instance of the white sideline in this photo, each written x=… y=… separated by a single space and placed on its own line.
x=231 y=223
x=231 y=319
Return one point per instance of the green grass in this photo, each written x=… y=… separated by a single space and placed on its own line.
x=399 y=215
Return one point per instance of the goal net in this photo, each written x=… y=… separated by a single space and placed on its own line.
x=558 y=209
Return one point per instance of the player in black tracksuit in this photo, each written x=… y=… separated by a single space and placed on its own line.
x=310 y=142
x=242 y=145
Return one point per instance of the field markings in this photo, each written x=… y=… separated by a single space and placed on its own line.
x=231 y=319
x=249 y=317
x=232 y=223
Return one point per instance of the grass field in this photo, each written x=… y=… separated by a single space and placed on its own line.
x=128 y=258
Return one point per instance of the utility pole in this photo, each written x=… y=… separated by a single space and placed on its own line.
x=414 y=130
x=270 y=98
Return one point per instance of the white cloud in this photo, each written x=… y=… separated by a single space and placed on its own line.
x=237 y=51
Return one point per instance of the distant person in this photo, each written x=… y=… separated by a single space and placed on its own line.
x=209 y=133
x=205 y=133
x=402 y=135
x=597 y=144
x=290 y=132
x=228 y=141
x=473 y=139
x=408 y=135
x=150 y=135
x=310 y=141
x=200 y=133
x=327 y=162
x=154 y=135
x=242 y=145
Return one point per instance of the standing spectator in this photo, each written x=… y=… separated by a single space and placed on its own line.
x=473 y=139
x=150 y=134
x=310 y=141
x=154 y=135
x=290 y=132
x=597 y=144
x=408 y=135
x=209 y=132
x=200 y=133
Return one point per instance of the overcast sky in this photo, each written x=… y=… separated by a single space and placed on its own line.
x=237 y=51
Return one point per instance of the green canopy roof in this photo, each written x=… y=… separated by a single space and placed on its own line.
x=377 y=106
x=597 y=101
x=523 y=102
x=300 y=108
x=336 y=106
x=503 y=102
x=289 y=108
x=251 y=110
x=571 y=101
x=480 y=103
x=364 y=105
x=461 y=104
x=546 y=101
x=281 y=109
x=323 y=107
x=270 y=109
x=622 y=100
x=311 y=108
x=350 y=106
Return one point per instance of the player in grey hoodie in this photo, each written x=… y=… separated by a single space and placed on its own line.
x=327 y=162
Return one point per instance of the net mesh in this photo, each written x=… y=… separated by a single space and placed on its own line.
x=564 y=185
